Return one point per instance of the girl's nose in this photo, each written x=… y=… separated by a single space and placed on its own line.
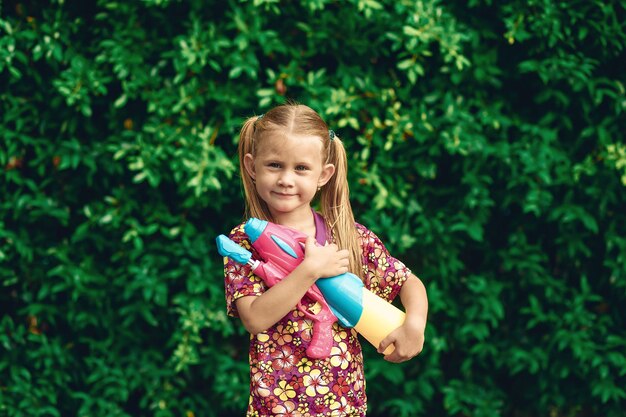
x=285 y=181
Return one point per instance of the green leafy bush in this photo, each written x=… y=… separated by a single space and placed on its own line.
x=486 y=149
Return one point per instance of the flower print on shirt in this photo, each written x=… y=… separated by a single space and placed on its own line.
x=316 y=383
x=340 y=356
x=284 y=359
x=284 y=391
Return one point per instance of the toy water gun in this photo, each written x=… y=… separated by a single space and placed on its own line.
x=313 y=304
x=353 y=304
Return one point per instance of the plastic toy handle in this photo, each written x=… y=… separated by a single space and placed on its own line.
x=321 y=341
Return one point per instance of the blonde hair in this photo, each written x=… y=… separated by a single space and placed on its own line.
x=335 y=205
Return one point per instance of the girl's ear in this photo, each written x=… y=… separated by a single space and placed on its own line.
x=328 y=171
x=248 y=162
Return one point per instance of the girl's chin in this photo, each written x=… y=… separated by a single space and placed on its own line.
x=280 y=209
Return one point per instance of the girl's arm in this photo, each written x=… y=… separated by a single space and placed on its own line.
x=258 y=313
x=408 y=339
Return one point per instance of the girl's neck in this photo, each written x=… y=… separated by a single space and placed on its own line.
x=303 y=221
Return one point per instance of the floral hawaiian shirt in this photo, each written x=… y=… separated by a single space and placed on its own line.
x=284 y=381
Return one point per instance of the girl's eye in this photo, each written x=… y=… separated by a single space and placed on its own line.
x=273 y=165
x=301 y=168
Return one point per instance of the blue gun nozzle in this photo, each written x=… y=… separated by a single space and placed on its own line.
x=227 y=247
x=254 y=228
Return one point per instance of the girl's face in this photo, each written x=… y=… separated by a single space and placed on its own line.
x=287 y=171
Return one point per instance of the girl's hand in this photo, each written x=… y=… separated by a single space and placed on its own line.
x=325 y=261
x=408 y=340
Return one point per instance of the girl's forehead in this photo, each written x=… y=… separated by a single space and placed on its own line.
x=300 y=145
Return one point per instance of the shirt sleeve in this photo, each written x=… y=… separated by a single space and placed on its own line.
x=239 y=280
x=384 y=274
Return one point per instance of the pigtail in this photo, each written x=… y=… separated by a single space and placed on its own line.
x=254 y=205
x=336 y=207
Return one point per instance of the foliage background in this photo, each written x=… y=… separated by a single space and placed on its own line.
x=486 y=143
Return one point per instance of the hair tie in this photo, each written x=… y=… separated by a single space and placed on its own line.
x=259 y=117
x=331 y=134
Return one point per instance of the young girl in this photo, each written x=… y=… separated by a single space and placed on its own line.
x=287 y=157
